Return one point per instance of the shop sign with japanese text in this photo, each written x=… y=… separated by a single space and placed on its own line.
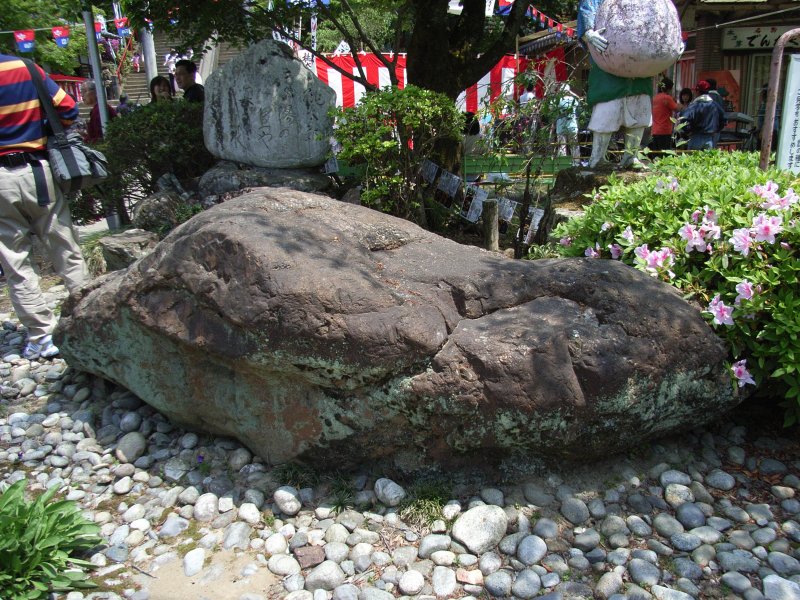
x=755 y=38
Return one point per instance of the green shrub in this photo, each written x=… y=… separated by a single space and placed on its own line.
x=151 y=141
x=391 y=132
x=37 y=542
x=727 y=235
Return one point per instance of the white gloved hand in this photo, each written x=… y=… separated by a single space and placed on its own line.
x=596 y=39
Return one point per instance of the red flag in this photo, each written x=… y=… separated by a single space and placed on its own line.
x=559 y=27
x=61 y=35
x=24 y=39
x=549 y=22
x=570 y=31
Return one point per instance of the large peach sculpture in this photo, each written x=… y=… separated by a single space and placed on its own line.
x=644 y=37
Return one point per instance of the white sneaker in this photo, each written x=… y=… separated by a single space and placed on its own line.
x=44 y=349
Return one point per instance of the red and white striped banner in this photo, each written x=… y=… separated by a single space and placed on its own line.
x=500 y=80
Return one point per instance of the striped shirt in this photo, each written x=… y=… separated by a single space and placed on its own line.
x=21 y=116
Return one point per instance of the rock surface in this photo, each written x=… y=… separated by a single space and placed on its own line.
x=265 y=108
x=121 y=250
x=157 y=212
x=226 y=176
x=299 y=324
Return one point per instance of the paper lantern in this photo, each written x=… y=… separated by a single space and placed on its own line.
x=644 y=37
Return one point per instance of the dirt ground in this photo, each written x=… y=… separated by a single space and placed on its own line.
x=221 y=579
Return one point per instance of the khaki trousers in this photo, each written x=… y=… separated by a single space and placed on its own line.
x=20 y=217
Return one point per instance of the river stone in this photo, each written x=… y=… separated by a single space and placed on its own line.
x=377 y=338
x=130 y=447
x=644 y=38
x=265 y=108
x=325 y=576
x=778 y=588
x=481 y=528
x=388 y=492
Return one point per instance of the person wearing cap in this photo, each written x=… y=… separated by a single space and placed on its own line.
x=616 y=102
x=703 y=118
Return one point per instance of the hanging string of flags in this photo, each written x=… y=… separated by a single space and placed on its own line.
x=26 y=38
x=541 y=19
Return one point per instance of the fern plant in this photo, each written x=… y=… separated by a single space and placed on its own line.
x=38 y=543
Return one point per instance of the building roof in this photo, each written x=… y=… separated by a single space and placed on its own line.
x=542 y=41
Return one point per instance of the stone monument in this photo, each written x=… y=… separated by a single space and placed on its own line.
x=265 y=108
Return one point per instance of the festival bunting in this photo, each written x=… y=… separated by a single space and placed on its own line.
x=25 y=40
x=504 y=9
x=61 y=36
x=122 y=27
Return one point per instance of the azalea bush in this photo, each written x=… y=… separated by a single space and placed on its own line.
x=727 y=235
x=151 y=141
x=38 y=543
x=390 y=132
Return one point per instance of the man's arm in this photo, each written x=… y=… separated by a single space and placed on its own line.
x=62 y=101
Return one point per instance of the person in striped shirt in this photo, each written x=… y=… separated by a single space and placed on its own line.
x=28 y=209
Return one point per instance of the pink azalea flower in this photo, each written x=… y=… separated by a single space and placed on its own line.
x=565 y=241
x=655 y=261
x=663 y=186
x=591 y=252
x=627 y=235
x=744 y=290
x=767 y=190
x=722 y=314
x=775 y=202
x=710 y=230
x=696 y=215
x=694 y=238
x=765 y=228
x=741 y=373
x=616 y=251
x=742 y=241
x=605 y=226
x=709 y=248
x=786 y=246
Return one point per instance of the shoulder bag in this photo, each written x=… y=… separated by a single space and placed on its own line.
x=75 y=165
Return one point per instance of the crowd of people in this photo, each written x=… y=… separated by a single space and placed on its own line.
x=698 y=119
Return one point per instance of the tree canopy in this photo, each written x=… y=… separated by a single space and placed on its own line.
x=39 y=14
x=446 y=53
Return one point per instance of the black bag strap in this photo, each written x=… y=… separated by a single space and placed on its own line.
x=44 y=98
x=46 y=101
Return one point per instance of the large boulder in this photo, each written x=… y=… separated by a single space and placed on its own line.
x=266 y=108
x=314 y=329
